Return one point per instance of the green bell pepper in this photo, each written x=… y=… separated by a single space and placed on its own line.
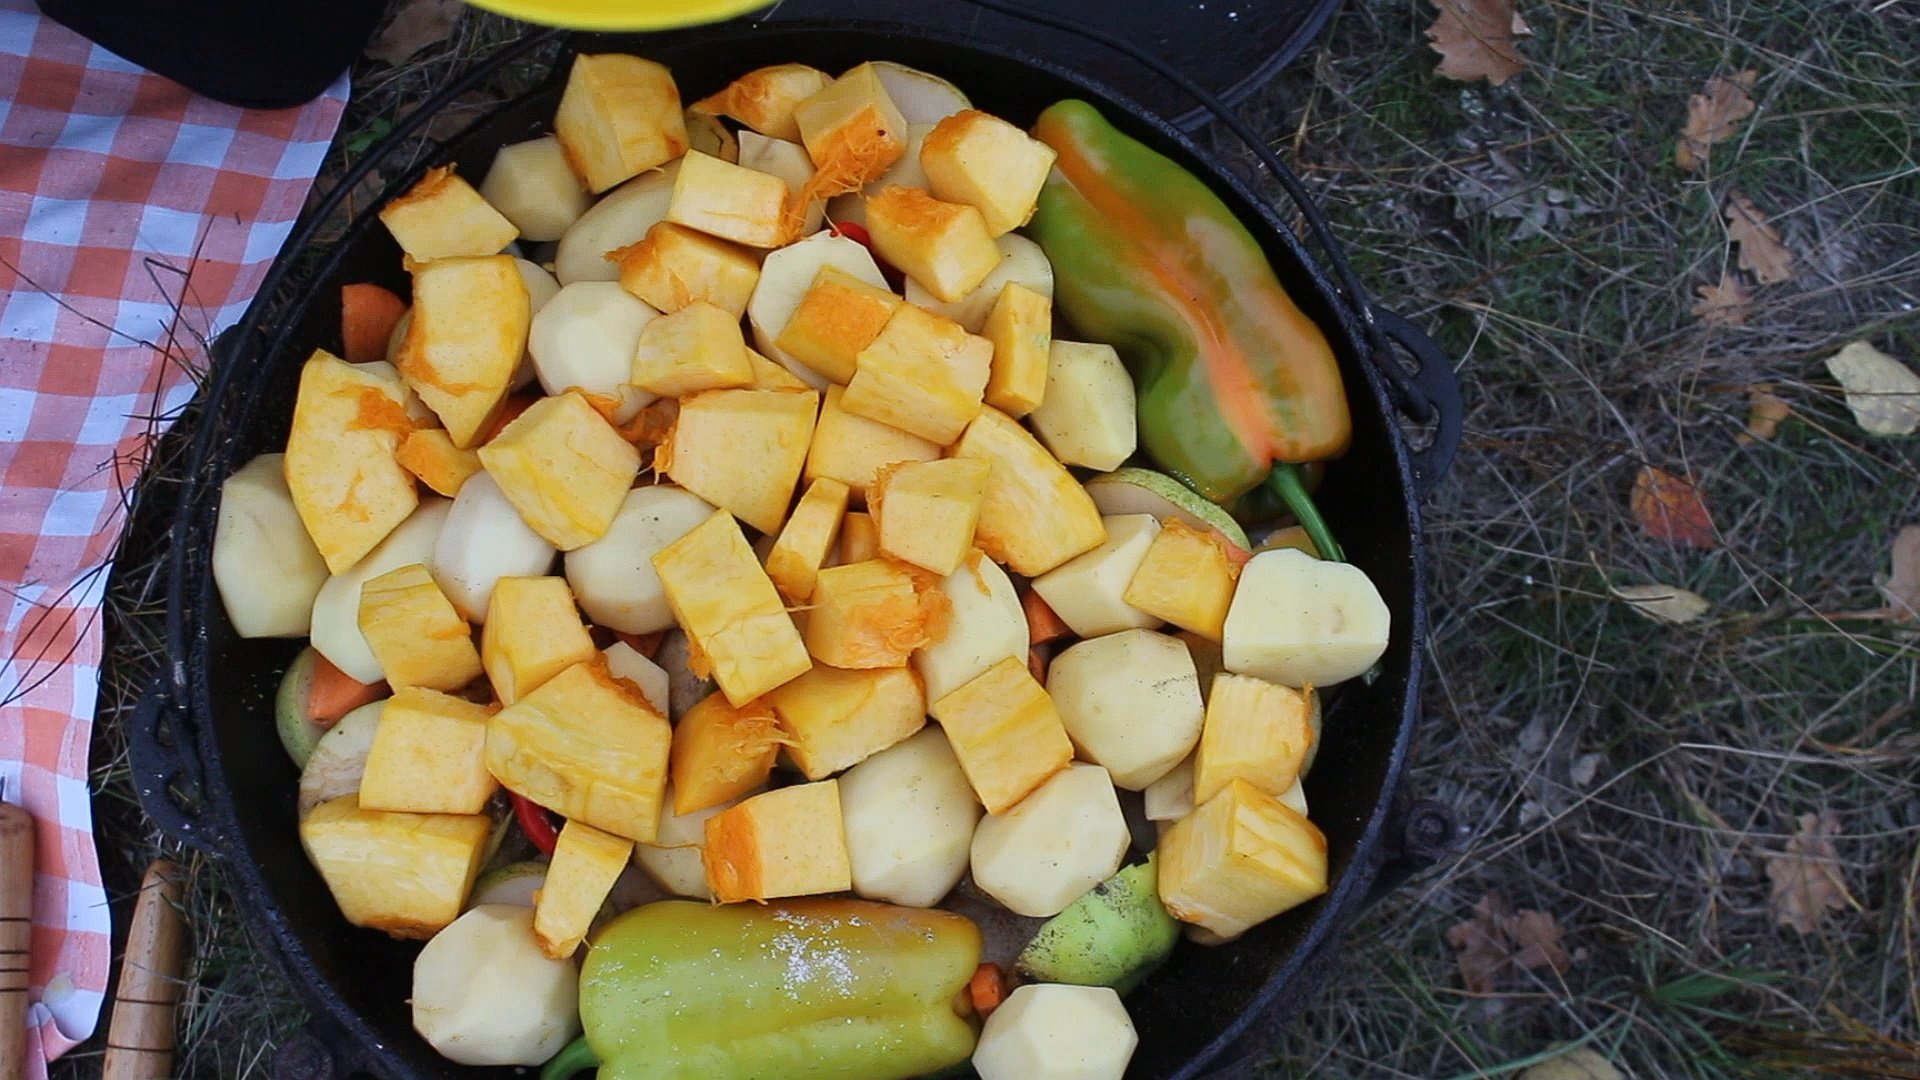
x=1236 y=384
x=792 y=990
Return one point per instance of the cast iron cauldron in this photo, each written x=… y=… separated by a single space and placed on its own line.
x=212 y=772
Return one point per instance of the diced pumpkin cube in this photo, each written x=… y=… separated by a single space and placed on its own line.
x=859 y=539
x=765 y=99
x=619 y=116
x=1034 y=515
x=789 y=162
x=532 y=633
x=944 y=246
x=835 y=719
x=429 y=755
x=1006 y=733
x=465 y=337
x=442 y=215
x=979 y=159
x=585 y=864
x=406 y=874
x=872 y=614
x=698 y=347
x=837 y=318
x=721 y=752
x=1187 y=578
x=807 y=538
x=532 y=185
x=1240 y=859
x=674 y=266
x=1256 y=731
x=729 y=609
x=588 y=747
x=429 y=454
x=1021 y=329
x=853 y=449
x=768 y=375
x=923 y=375
x=742 y=450
x=415 y=633
x=789 y=842
x=729 y=201
x=564 y=468
x=852 y=131
x=340 y=468
x=926 y=511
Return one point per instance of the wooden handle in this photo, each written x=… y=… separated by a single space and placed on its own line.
x=140 y=1038
x=16 y=934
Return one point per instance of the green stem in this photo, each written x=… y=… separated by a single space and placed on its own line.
x=1285 y=482
x=577 y=1057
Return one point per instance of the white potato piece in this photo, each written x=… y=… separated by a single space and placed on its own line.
x=336 y=607
x=1052 y=1031
x=622 y=218
x=786 y=160
x=785 y=277
x=1021 y=262
x=984 y=626
x=585 y=337
x=1130 y=701
x=1085 y=591
x=485 y=539
x=922 y=98
x=531 y=185
x=541 y=286
x=903 y=173
x=1170 y=798
x=484 y=993
x=1066 y=837
x=910 y=815
x=264 y=563
x=626 y=662
x=1304 y=622
x=613 y=577
x=674 y=857
x=1088 y=415
x=339 y=759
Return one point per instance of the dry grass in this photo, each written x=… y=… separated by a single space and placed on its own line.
x=1627 y=778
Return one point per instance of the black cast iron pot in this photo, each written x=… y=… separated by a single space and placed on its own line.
x=212 y=772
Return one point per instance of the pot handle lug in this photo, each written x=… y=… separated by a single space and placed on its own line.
x=319 y=1050
x=1428 y=394
x=1427 y=832
x=164 y=754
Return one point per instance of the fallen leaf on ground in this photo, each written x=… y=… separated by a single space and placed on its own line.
x=1806 y=877
x=1671 y=508
x=417 y=25
x=1726 y=304
x=1475 y=40
x=1499 y=940
x=1580 y=1063
x=1903 y=585
x=1496 y=187
x=1711 y=117
x=1664 y=603
x=1760 y=248
x=1765 y=411
x=1883 y=393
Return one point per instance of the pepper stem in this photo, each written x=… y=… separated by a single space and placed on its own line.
x=1285 y=482
x=577 y=1057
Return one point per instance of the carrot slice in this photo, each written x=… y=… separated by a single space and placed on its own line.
x=987 y=989
x=644 y=644
x=1043 y=625
x=1037 y=664
x=368 y=313
x=334 y=693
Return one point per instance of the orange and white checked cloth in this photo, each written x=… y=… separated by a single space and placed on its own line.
x=136 y=221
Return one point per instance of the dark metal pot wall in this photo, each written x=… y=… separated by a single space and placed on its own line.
x=211 y=729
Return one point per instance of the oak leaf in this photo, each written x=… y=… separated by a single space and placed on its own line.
x=1806 y=877
x=1499 y=940
x=1475 y=40
x=1726 y=304
x=415 y=26
x=1883 y=393
x=1664 y=603
x=1671 y=508
x=1765 y=411
x=1760 y=248
x=1902 y=587
x=1712 y=116
x=1579 y=1063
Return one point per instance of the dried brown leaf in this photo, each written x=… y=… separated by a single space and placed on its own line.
x=417 y=25
x=1726 y=304
x=1475 y=40
x=1711 y=117
x=1499 y=940
x=1902 y=587
x=1765 y=411
x=1671 y=508
x=1664 y=603
x=1580 y=1063
x=1806 y=877
x=1883 y=393
x=1760 y=248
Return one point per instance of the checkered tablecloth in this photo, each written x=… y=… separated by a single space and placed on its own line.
x=136 y=221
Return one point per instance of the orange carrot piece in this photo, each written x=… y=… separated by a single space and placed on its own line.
x=1042 y=624
x=334 y=693
x=987 y=989
x=644 y=644
x=1037 y=664
x=368 y=313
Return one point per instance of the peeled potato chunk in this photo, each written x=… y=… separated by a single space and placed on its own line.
x=1130 y=701
x=985 y=625
x=1303 y=622
x=620 y=219
x=1087 y=415
x=485 y=540
x=532 y=186
x=1052 y=1031
x=673 y=859
x=1060 y=841
x=613 y=577
x=909 y=816
x=1087 y=591
x=584 y=338
x=266 y=568
x=484 y=993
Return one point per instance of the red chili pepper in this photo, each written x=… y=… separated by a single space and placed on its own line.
x=535 y=823
x=858 y=233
